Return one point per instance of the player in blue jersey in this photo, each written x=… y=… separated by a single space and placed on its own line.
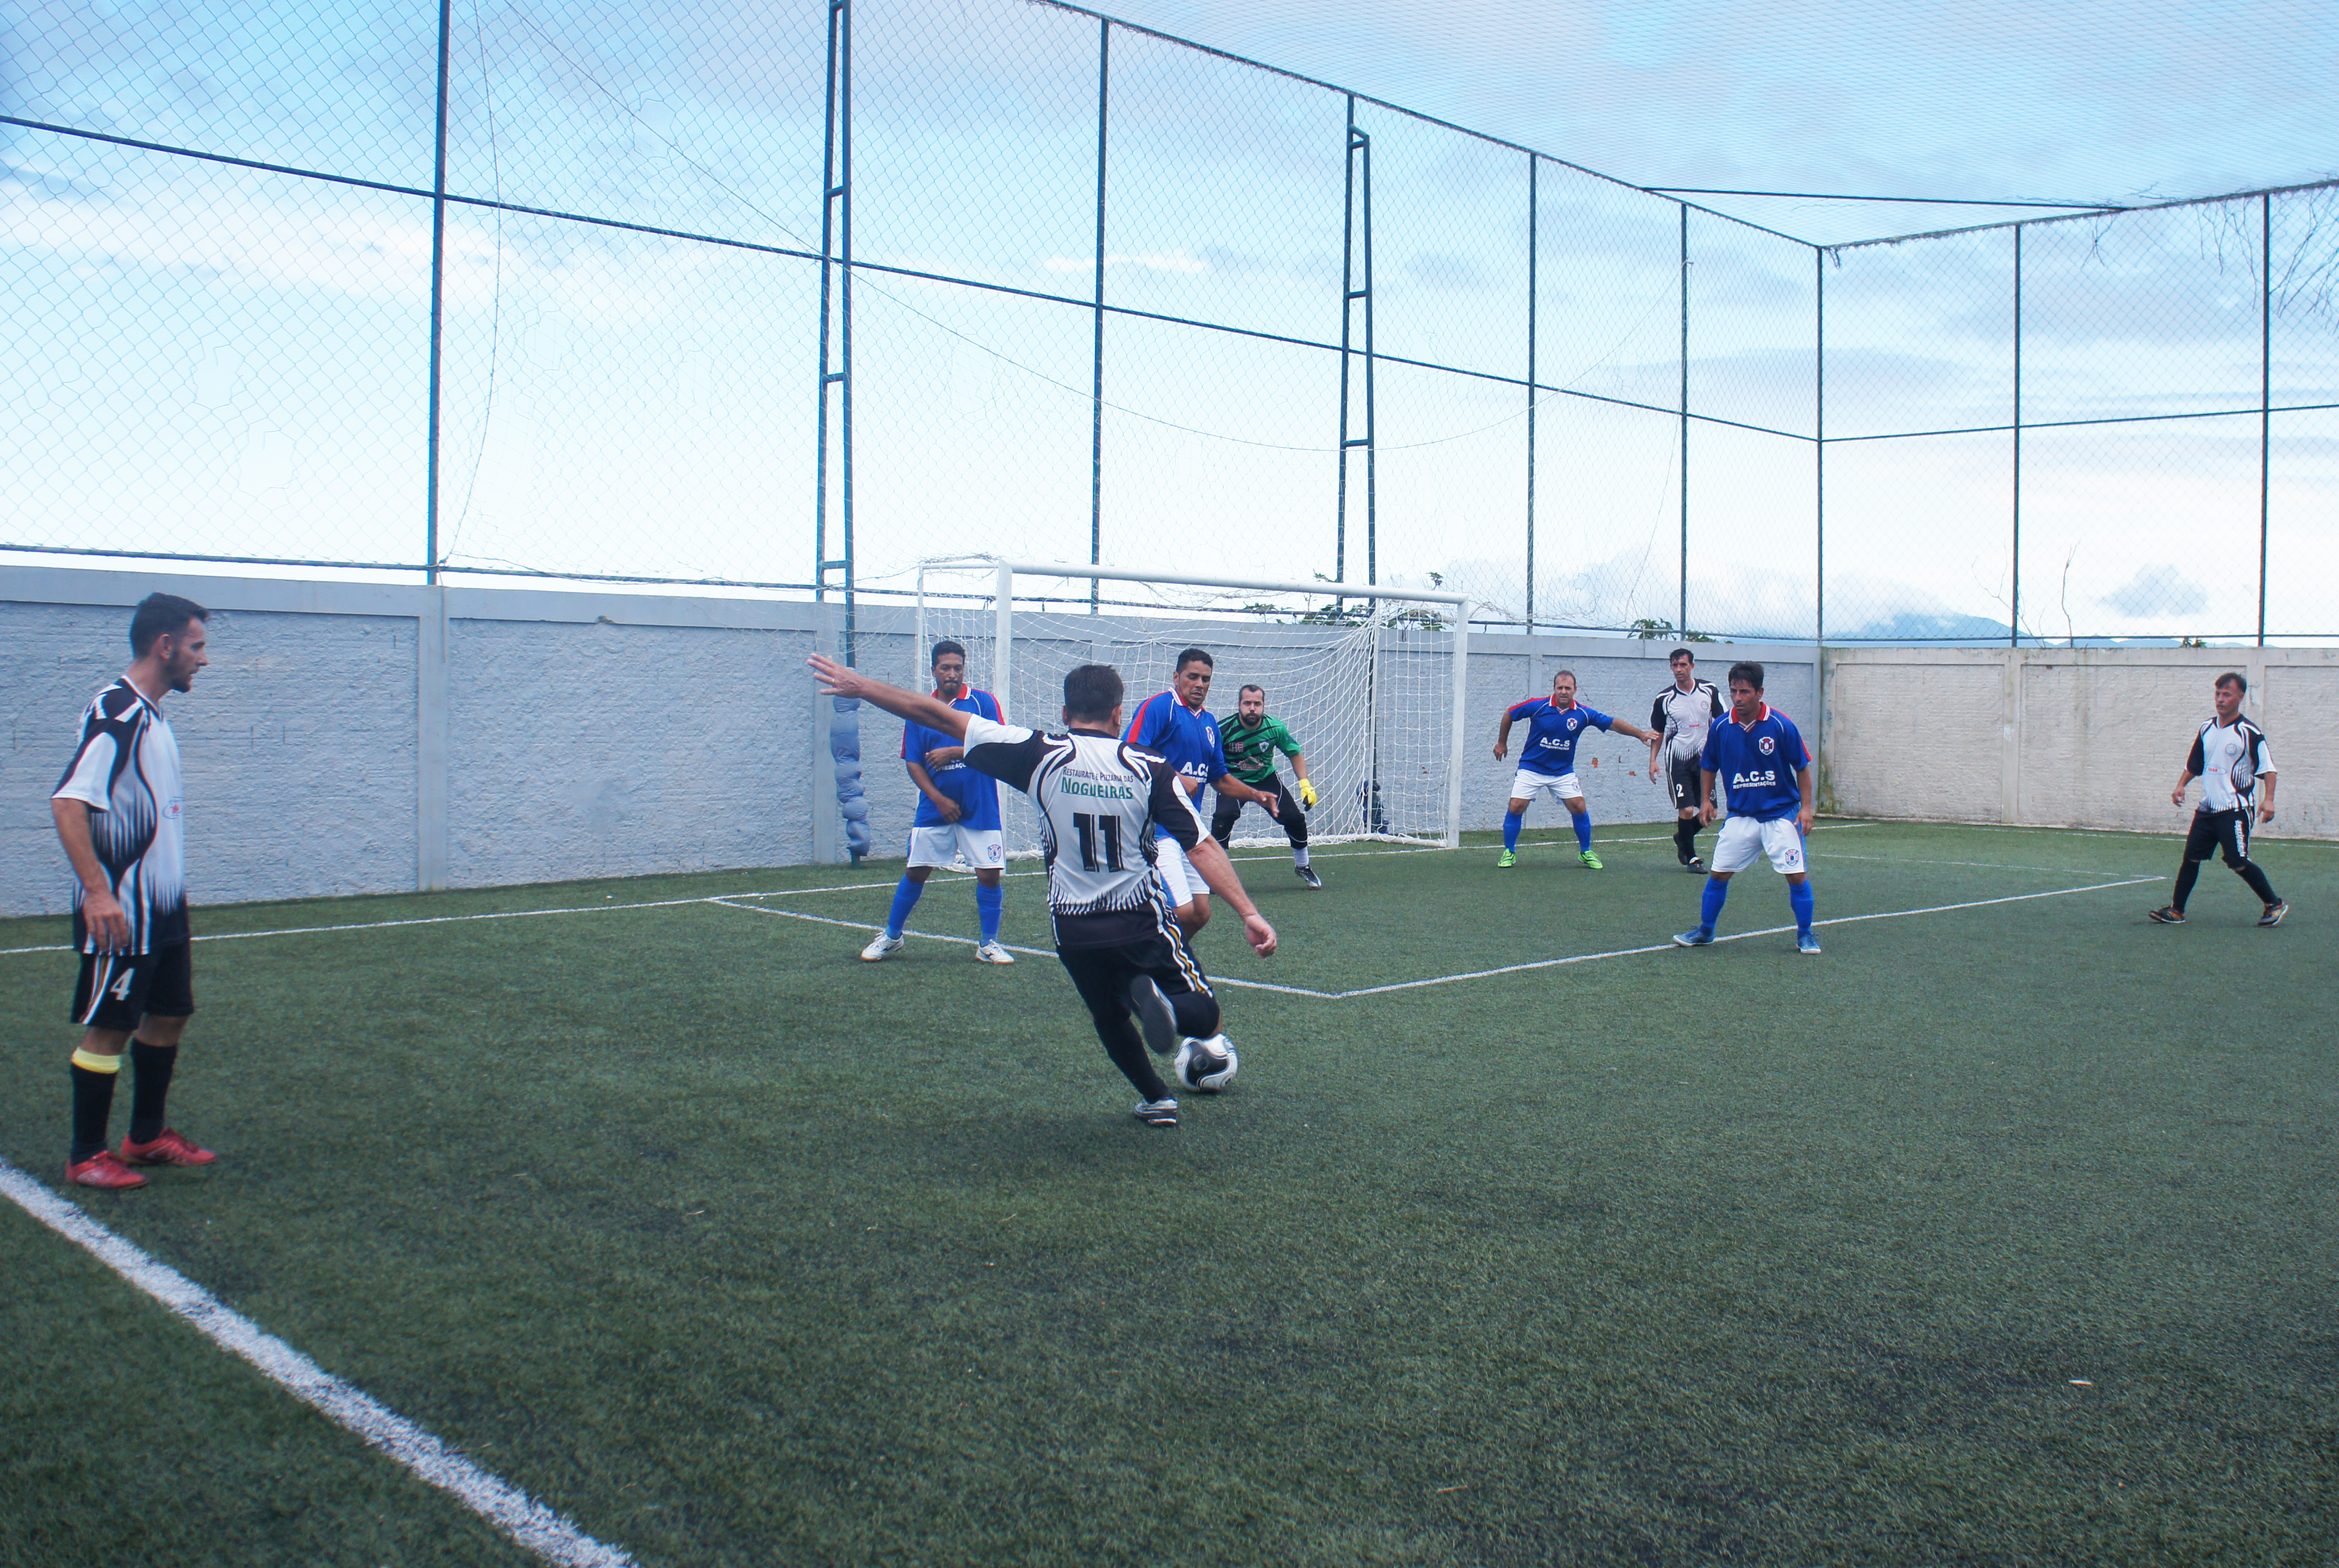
x=1173 y=726
x=958 y=814
x=1547 y=760
x=1758 y=757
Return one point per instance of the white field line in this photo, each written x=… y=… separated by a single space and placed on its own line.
x=1981 y=864
x=1216 y=980
x=607 y=908
x=1506 y=969
x=1743 y=935
x=494 y=1499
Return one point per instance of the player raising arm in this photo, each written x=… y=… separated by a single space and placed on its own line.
x=1755 y=751
x=2235 y=767
x=1100 y=802
x=1250 y=740
x=1547 y=760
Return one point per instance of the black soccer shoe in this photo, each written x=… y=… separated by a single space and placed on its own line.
x=1306 y=873
x=2166 y=915
x=2273 y=913
x=1155 y=1017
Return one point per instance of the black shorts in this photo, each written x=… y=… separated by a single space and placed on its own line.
x=1685 y=778
x=2214 y=830
x=117 y=988
x=1288 y=815
x=1101 y=975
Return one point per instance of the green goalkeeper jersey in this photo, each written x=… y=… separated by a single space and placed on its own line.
x=1250 y=749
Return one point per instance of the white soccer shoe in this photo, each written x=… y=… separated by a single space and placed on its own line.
x=992 y=952
x=880 y=948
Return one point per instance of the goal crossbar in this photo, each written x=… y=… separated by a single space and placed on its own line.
x=1007 y=571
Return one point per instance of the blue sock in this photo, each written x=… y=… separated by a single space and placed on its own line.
x=1584 y=830
x=905 y=899
x=988 y=901
x=1799 y=894
x=1710 y=906
x=1511 y=821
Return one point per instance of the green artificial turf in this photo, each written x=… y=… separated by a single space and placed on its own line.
x=2001 y=1234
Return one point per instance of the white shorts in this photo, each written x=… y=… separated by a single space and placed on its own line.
x=1178 y=874
x=981 y=847
x=1742 y=838
x=1563 y=786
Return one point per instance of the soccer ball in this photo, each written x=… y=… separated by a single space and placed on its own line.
x=1206 y=1065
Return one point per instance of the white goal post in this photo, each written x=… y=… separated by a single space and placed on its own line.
x=1364 y=680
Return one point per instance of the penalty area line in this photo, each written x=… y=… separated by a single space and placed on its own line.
x=1216 y=980
x=1735 y=936
x=530 y=1522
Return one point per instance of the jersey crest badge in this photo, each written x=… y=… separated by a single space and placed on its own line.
x=1766 y=745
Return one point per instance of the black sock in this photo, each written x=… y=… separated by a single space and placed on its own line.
x=1685 y=837
x=1129 y=1053
x=93 y=1107
x=152 y=1064
x=2250 y=873
x=2186 y=874
x=1197 y=1015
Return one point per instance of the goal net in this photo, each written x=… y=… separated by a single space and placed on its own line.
x=1369 y=686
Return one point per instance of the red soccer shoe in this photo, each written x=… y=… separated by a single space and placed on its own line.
x=165 y=1148
x=101 y=1170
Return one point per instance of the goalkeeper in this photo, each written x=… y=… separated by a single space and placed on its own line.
x=1250 y=740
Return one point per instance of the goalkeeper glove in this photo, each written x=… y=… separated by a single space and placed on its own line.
x=1308 y=794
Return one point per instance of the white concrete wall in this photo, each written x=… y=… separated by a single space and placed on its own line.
x=356 y=738
x=2068 y=737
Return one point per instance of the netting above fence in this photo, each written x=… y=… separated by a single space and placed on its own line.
x=802 y=294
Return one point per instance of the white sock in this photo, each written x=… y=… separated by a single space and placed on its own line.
x=1300 y=854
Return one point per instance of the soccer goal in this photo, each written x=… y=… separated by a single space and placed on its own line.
x=1369 y=679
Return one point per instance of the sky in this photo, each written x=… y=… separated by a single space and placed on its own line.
x=223 y=362
x=1976 y=100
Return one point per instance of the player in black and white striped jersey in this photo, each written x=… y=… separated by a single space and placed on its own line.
x=2231 y=760
x=1681 y=715
x=1100 y=800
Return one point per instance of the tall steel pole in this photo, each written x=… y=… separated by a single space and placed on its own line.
x=1683 y=625
x=1096 y=377
x=2013 y=587
x=1533 y=234
x=437 y=304
x=837 y=285
x=2266 y=394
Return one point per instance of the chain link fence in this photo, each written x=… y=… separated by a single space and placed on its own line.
x=793 y=296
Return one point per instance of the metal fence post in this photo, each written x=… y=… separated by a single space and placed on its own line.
x=837 y=280
x=2266 y=393
x=1096 y=381
x=1360 y=174
x=2014 y=582
x=1683 y=625
x=1533 y=235
x=437 y=304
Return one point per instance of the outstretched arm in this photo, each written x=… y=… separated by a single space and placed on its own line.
x=1230 y=786
x=837 y=680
